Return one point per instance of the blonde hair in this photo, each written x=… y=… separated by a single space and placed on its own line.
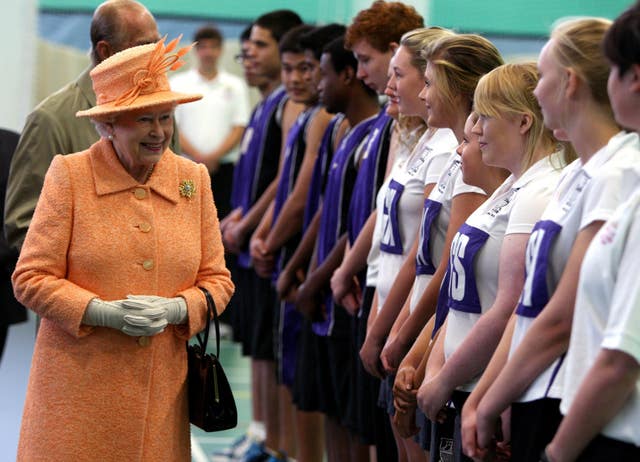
x=508 y=91
x=417 y=40
x=459 y=61
x=578 y=45
x=409 y=130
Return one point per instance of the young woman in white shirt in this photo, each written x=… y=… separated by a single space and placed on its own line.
x=487 y=258
x=600 y=400
x=454 y=66
x=399 y=213
x=573 y=97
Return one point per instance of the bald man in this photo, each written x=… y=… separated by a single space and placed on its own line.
x=52 y=128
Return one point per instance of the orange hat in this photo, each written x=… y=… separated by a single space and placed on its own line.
x=137 y=78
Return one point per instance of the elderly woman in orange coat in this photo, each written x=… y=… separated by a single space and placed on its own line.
x=122 y=237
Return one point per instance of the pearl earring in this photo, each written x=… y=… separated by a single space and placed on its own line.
x=110 y=137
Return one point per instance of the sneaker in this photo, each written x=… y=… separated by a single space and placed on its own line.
x=278 y=457
x=255 y=453
x=234 y=452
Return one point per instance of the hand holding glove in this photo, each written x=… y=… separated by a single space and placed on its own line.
x=176 y=307
x=136 y=322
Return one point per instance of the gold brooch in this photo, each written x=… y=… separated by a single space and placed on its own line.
x=187 y=188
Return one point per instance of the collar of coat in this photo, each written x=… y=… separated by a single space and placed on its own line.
x=111 y=177
x=86 y=87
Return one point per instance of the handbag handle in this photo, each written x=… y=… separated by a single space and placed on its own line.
x=211 y=306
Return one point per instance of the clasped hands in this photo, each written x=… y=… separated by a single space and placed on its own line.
x=263 y=259
x=137 y=315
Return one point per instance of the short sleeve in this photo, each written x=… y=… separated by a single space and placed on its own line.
x=436 y=166
x=530 y=203
x=460 y=187
x=621 y=332
x=608 y=189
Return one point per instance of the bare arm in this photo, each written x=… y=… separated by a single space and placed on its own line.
x=417 y=351
x=238 y=231
x=396 y=300
x=435 y=361
x=292 y=275
x=462 y=206
x=318 y=280
x=603 y=393
x=411 y=370
x=262 y=259
x=397 y=296
x=355 y=259
x=344 y=283
x=289 y=221
x=546 y=340
x=473 y=354
x=471 y=434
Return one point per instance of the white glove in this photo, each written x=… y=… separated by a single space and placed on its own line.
x=176 y=307
x=134 y=322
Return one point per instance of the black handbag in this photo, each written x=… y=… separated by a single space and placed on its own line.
x=211 y=403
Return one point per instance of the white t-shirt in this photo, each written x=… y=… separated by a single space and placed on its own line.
x=434 y=222
x=514 y=208
x=421 y=280
x=586 y=193
x=607 y=313
x=403 y=201
x=403 y=149
x=224 y=105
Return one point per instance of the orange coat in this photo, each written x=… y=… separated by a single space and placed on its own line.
x=96 y=393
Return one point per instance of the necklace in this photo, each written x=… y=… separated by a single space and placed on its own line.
x=149 y=172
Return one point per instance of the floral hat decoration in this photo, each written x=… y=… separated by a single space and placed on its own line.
x=136 y=78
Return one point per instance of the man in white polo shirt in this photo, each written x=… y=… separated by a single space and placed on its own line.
x=210 y=131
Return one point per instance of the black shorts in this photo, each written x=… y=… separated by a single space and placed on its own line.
x=262 y=316
x=287 y=324
x=242 y=298
x=311 y=377
x=237 y=304
x=339 y=371
x=366 y=387
x=442 y=433
x=371 y=423
x=604 y=448
x=423 y=438
x=221 y=185
x=385 y=395
x=459 y=398
x=533 y=425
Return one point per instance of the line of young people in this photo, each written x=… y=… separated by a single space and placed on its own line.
x=565 y=366
x=312 y=366
x=513 y=266
x=471 y=302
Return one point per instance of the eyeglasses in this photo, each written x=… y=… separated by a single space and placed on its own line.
x=240 y=57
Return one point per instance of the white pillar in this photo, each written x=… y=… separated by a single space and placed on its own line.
x=18 y=37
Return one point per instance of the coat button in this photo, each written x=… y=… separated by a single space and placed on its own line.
x=145 y=227
x=147 y=264
x=144 y=341
x=140 y=193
